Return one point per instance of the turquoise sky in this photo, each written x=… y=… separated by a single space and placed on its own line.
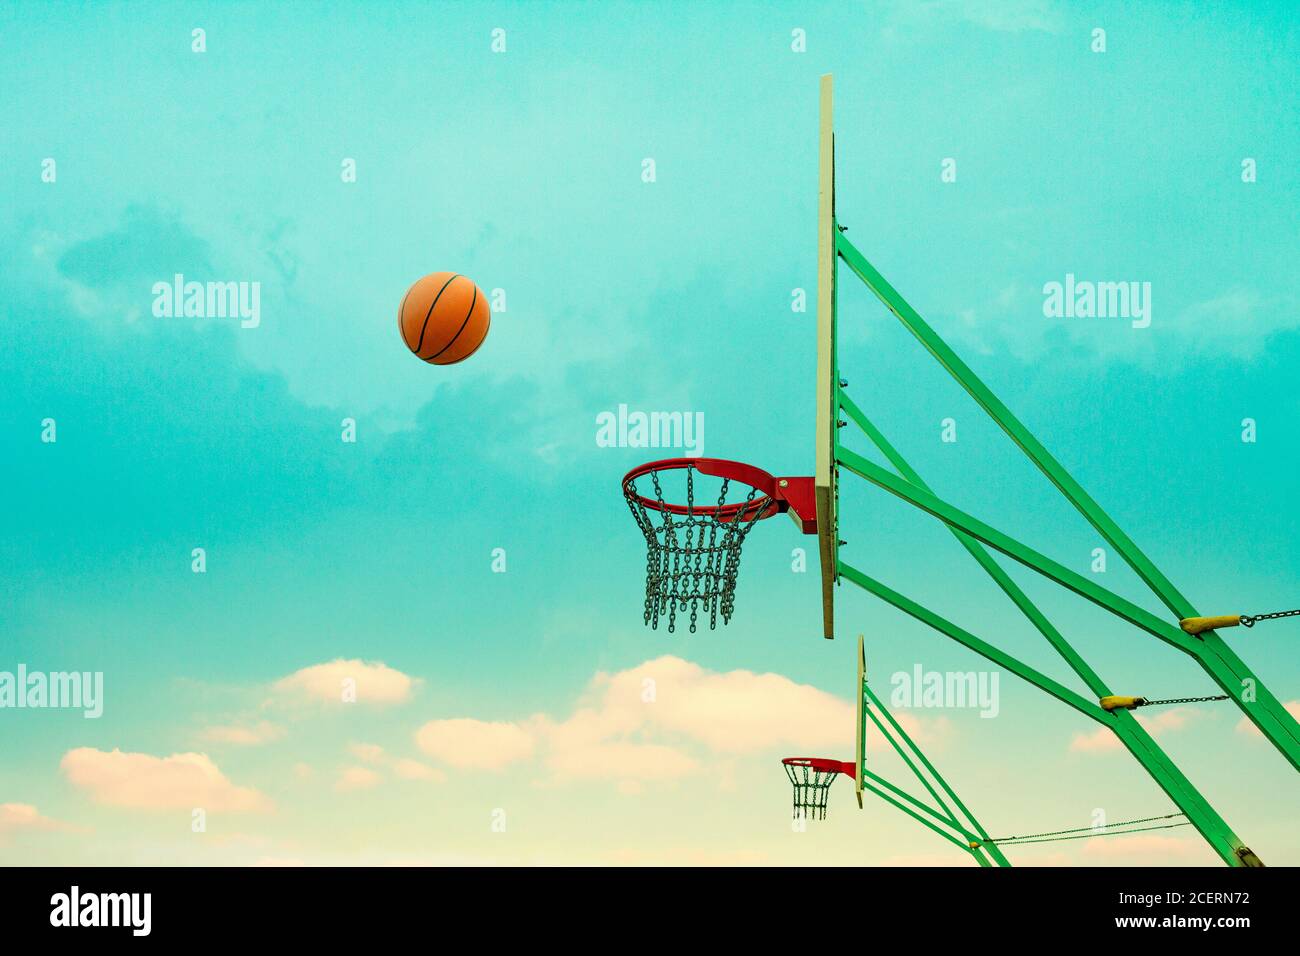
x=523 y=170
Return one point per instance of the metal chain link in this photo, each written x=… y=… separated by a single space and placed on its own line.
x=1053 y=833
x=1187 y=700
x=1089 y=836
x=692 y=560
x=811 y=791
x=1248 y=620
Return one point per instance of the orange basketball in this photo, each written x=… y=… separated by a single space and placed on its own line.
x=444 y=318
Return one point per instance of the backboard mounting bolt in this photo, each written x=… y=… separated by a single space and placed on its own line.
x=841 y=423
x=843 y=228
x=841 y=542
x=844 y=383
x=783 y=483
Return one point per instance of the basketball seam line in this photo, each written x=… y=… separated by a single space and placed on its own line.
x=477 y=347
x=472 y=302
x=420 y=344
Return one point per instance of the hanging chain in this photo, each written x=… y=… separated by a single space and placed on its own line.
x=1107 y=827
x=1248 y=620
x=1186 y=700
x=1089 y=836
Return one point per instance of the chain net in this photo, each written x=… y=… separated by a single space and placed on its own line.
x=692 y=559
x=812 y=790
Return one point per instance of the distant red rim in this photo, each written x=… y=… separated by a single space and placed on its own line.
x=822 y=764
x=755 y=477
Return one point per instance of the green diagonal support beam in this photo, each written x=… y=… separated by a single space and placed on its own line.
x=981 y=555
x=1126 y=727
x=879 y=791
x=955 y=825
x=1219 y=660
x=905 y=754
x=1088 y=708
x=975 y=831
x=1216 y=658
x=1265 y=711
x=1212 y=827
x=929 y=502
x=1018 y=433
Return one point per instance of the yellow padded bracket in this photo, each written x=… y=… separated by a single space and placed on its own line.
x=1121 y=703
x=1194 y=625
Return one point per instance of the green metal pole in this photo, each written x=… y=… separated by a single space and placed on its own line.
x=906 y=757
x=1264 y=710
x=883 y=795
x=1215 y=831
x=1018 y=433
x=981 y=833
x=950 y=515
x=1126 y=727
x=949 y=821
x=1219 y=660
x=1058 y=690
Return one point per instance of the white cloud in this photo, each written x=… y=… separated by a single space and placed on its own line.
x=660 y=720
x=475 y=744
x=688 y=855
x=356 y=778
x=374 y=682
x=929 y=860
x=145 y=782
x=367 y=753
x=1145 y=847
x=621 y=760
x=245 y=735
x=1101 y=740
x=403 y=768
x=1248 y=729
x=731 y=712
x=15 y=817
x=407 y=769
x=1158 y=724
x=1235 y=324
x=1165 y=721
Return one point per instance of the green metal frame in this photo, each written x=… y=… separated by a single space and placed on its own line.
x=957 y=827
x=1218 y=660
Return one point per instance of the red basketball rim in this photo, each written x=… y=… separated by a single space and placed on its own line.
x=822 y=765
x=755 y=477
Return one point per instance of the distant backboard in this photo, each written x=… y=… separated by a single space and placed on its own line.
x=827 y=368
x=860 y=750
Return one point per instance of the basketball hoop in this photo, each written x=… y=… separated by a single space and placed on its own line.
x=812 y=778
x=693 y=548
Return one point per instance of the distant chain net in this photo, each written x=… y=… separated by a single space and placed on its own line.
x=691 y=560
x=812 y=789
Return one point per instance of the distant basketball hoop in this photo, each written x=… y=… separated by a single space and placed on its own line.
x=812 y=778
